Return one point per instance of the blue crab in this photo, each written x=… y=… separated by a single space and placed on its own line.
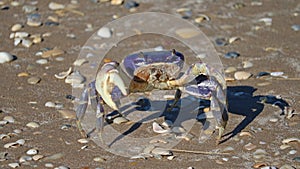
x=148 y=71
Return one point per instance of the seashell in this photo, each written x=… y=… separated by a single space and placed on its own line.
x=99 y=159
x=32 y=152
x=75 y=78
x=20 y=142
x=116 y=2
x=37 y=40
x=267 y=21
x=246 y=133
x=14 y=165
x=17 y=41
x=33 y=80
x=26 y=43
x=6 y=57
x=55 y=6
x=284 y=146
x=167 y=123
x=161 y=151
x=12 y=144
x=247 y=64
x=201 y=17
x=295 y=27
x=80 y=62
x=9 y=119
x=170 y=157
x=250 y=146
x=32 y=125
x=119 y=120
x=21 y=35
x=221 y=41
x=231 y=55
x=83 y=141
x=49 y=104
x=274 y=120
x=2 y=122
x=158 y=129
x=104 y=32
x=63 y=75
x=52 y=53
x=292 y=139
x=140 y=156
x=41 y=61
x=276 y=74
x=4 y=136
x=25 y=158
x=259 y=165
x=241 y=75
x=16 y=27
x=233 y=39
x=186 y=33
x=292 y=152
x=230 y=69
x=37 y=157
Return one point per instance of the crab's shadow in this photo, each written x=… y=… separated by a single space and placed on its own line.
x=241 y=101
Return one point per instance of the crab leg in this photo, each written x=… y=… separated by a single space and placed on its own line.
x=80 y=111
x=100 y=120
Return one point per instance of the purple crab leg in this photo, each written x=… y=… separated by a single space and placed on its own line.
x=100 y=120
x=80 y=111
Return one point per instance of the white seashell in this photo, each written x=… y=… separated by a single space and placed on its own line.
x=12 y=35
x=170 y=157
x=49 y=104
x=158 y=129
x=161 y=151
x=241 y=75
x=233 y=39
x=9 y=119
x=267 y=21
x=32 y=152
x=21 y=35
x=24 y=159
x=14 y=165
x=99 y=159
x=6 y=57
x=75 y=78
x=4 y=136
x=41 y=61
x=276 y=73
x=104 y=32
x=12 y=144
x=292 y=139
x=55 y=6
x=17 y=41
x=292 y=152
x=120 y=120
x=83 y=141
x=80 y=62
x=247 y=64
x=32 y=125
x=26 y=43
x=20 y=142
x=63 y=75
x=3 y=122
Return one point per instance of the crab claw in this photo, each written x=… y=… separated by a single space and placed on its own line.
x=107 y=79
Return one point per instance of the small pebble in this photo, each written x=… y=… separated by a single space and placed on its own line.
x=49 y=104
x=16 y=27
x=131 y=4
x=32 y=125
x=104 y=32
x=21 y=35
x=221 y=42
x=37 y=40
x=231 y=55
x=33 y=80
x=241 y=75
x=274 y=120
x=41 y=61
x=116 y=2
x=6 y=57
x=32 y=152
x=34 y=20
x=59 y=59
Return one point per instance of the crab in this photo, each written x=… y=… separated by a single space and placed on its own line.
x=148 y=71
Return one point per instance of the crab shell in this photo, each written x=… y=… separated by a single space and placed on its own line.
x=153 y=69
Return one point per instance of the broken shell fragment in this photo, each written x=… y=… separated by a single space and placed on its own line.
x=158 y=129
x=63 y=75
